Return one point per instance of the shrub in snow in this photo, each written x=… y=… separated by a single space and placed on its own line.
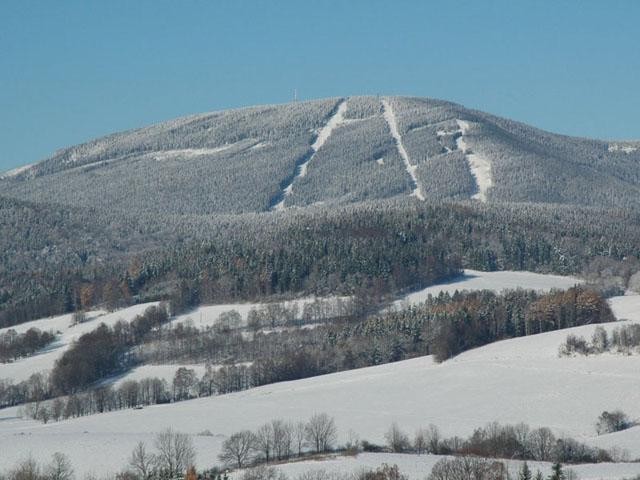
x=609 y=422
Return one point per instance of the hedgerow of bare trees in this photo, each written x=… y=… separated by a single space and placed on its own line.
x=279 y=440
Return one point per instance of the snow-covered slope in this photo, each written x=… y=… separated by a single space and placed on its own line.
x=510 y=381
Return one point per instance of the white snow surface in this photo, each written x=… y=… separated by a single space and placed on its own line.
x=23 y=368
x=323 y=135
x=392 y=121
x=190 y=152
x=514 y=380
x=496 y=281
x=480 y=166
x=418 y=467
x=621 y=148
x=15 y=172
x=332 y=124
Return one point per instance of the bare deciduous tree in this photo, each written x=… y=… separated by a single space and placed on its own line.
x=142 y=461
x=264 y=441
x=60 y=468
x=321 y=432
x=397 y=440
x=175 y=452
x=237 y=449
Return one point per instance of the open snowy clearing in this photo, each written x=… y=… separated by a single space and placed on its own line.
x=390 y=117
x=495 y=281
x=209 y=315
x=23 y=368
x=418 y=467
x=510 y=381
x=621 y=148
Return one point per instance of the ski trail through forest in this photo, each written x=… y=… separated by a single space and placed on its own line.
x=480 y=167
x=323 y=135
x=391 y=120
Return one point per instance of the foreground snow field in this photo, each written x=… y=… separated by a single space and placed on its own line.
x=510 y=381
x=418 y=467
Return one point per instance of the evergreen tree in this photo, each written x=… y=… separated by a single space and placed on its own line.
x=556 y=472
x=525 y=472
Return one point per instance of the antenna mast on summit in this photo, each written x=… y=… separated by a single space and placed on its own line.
x=295 y=94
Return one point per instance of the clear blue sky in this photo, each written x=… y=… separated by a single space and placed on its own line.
x=74 y=70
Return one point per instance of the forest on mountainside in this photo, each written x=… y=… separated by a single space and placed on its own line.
x=60 y=260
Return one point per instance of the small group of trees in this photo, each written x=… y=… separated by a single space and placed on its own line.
x=14 y=345
x=59 y=468
x=173 y=455
x=623 y=339
x=615 y=421
x=34 y=389
x=479 y=318
x=279 y=440
x=103 y=351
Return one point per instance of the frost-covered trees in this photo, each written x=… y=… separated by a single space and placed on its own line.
x=615 y=421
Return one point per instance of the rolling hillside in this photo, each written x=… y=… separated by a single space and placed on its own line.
x=511 y=381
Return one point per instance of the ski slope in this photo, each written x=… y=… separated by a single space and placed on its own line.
x=23 y=368
x=480 y=166
x=323 y=135
x=511 y=381
x=392 y=121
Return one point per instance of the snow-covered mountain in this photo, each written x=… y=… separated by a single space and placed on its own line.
x=330 y=151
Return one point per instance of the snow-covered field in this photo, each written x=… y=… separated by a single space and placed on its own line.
x=44 y=360
x=514 y=380
x=496 y=281
x=418 y=467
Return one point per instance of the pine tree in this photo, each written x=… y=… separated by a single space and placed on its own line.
x=556 y=472
x=525 y=472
